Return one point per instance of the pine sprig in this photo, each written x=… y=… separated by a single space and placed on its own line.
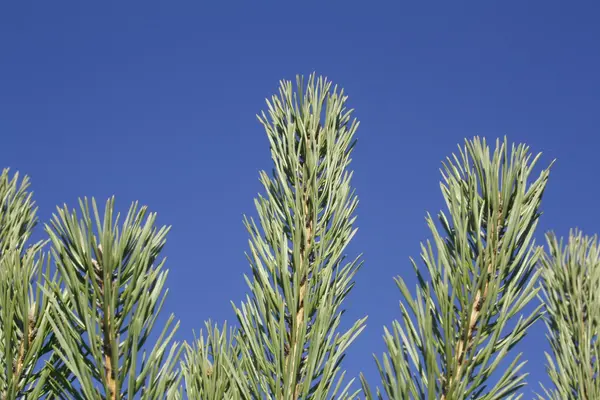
x=466 y=314
x=113 y=293
x=25 y=337
x=570 y=283
x=207 y=365
x=289 y=338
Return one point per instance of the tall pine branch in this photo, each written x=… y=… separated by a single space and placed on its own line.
x=289 y=336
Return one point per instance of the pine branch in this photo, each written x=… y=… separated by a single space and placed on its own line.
x=571 y=278
x=466 y=315
x=25 y=337
x=17 y=212
x=208 y=364
x=113 y=294
x=288 y=326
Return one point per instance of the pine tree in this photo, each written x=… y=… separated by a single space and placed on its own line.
x=479 y=276
x=104 y=315
x=571 y=282
x=25 y=337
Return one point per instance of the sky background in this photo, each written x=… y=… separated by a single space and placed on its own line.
x=156 y=101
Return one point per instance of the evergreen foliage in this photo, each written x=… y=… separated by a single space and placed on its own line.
x=25 y=336
x=571 y=283
x=80 y=320
x=480 y=273
x=209 y=363
x=289 y=325
x=113 y=292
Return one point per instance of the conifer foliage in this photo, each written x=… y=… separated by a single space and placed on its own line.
x=113 y=292
x=289 y=325
x=479 y=275
x=209 y=364
x=25 y=335
x=289 y=344
x=83 y=321
x=571 y=283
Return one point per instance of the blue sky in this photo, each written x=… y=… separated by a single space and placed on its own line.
x=156 y=102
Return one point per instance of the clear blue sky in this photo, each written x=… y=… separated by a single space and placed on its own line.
x=157 y=102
